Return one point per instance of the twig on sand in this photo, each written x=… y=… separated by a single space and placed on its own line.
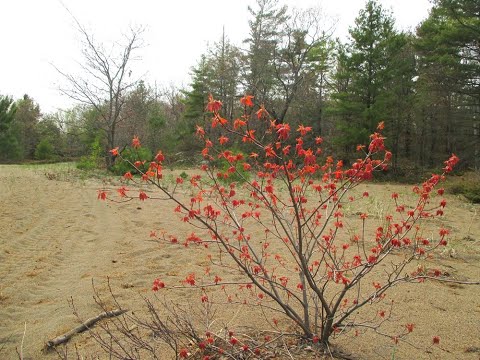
x=82 y=327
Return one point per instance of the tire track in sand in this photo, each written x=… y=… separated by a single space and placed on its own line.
x=49 y=251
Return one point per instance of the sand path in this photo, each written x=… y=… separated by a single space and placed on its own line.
x=55 y=237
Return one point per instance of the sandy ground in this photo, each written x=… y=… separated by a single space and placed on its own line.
x=56 y=237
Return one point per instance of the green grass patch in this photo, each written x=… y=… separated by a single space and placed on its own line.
x=467 y=184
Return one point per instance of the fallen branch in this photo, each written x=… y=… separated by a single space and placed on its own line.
x=443 y=280
x=82 y=327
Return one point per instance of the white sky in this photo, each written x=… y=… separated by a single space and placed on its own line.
x=37 y=33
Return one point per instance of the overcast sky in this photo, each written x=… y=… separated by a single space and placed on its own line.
x=37 y=34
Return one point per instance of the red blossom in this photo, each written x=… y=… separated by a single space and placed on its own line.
x=122 y=191
x=213 y=105
x=269 y=152
x=223 y=140
x=183 y=353
x=102 y=195
x=303 y=130
x=136 y=142
x=142 y=196
x=283 y=131
x=309 y=157
x=410 y=327
x=190 y=279
x=158 y=284
x=450 y=163
x=376 y=143
x=238 y=123
x=249 y=136
x=262 y=113
x=247 y=100
x=159 y=157
x=200 y=131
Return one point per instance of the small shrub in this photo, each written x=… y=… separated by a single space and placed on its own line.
x=314 y=265
x=467 y=185
x=93 y=160
x=86 y=163
x=44 y=150
x=128 y=157
x=235 y=170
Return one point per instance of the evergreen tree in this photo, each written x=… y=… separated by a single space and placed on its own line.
x=365 y=71
x=195 y=102
x=266 y=24
x=9 y=147
x=196 y=98
x=395 y=103
x=223 y=66
x=449 y=81
x=27 y=117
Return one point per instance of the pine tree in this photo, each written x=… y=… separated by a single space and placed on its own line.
x=449 y=81
x=267 y=21
x=365 y=71
x=9 y=147
x=27 y=117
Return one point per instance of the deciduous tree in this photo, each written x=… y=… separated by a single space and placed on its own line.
x=105 y=80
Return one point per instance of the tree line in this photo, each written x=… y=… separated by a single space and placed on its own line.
x=425 y=86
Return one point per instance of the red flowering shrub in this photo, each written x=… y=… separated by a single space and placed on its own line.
x=307 y=265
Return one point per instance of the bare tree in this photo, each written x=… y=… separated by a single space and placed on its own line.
x=105 y=79
x=299 y=55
